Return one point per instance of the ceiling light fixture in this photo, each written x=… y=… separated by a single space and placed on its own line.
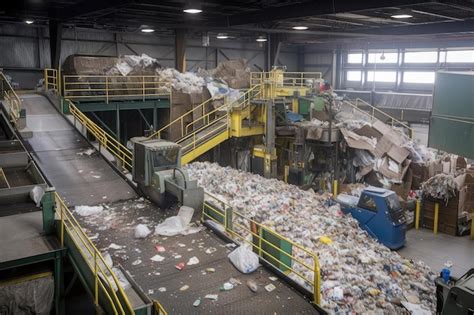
x=222 y=36
x=192 y=7
x=261 y=39
x=29 y=22
x=147 y=30
x=300 y=28
x=402 y=14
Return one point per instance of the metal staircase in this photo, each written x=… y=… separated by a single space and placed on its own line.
x=235 y=118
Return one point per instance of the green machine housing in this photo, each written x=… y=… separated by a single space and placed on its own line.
x=157 y=171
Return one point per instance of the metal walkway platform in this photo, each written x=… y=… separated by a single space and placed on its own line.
x=60 y=152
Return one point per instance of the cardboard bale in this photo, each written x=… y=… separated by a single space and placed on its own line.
x=87 y=65
x=385 y=170
x=356 y=141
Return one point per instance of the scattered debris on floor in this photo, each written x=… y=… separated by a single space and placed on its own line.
x=365 y=270
x=87 y=152
x=85 y=211
x=184 y=288
x=142 y=231
x=157 y=258
x=197 y=302
x=252 y=285
x=193 y=261
x=180 y=266
x=270 y=287
x=244 y=259
x=212 y=297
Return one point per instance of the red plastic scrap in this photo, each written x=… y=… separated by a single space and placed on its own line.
x=160 y=248
x=180 y=266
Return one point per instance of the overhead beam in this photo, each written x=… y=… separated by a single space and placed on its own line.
x=313 y=8
x=445 y=27
x=89 y=7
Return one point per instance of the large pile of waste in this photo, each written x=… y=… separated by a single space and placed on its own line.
x=359 y=275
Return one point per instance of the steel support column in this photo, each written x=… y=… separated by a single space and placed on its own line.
x=55 y=35
x=180 y=50
x=117 y=122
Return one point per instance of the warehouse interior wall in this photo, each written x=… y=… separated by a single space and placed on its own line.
x=28 y=50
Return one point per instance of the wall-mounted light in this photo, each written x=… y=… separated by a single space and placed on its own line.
x=261 y=39
x=29 y=21
x=192 y=7
x=222 y=36
x=147 y=30
x=300 y=28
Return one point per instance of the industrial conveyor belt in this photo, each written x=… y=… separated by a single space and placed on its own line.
x=88 y=180
x=59 y=151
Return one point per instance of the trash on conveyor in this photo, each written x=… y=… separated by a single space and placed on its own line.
x=142 y=231
x=211 y=250
x=364 y=269
x=157 y=258
x=211 y=270
x=87 y=152
x=197 y=302
x=227 y=286
x=193 y=261
x=115 y=246
x=179 y=224
x=85 y=211
x=180 y=266
x=270 y=287
x=184 y=288
x=162 y=289
x=244 y=259
x=252 y=285
x=212 y=297
x=137 y=262
x=160 y=249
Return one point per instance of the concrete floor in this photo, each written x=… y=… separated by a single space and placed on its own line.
x=435 y=250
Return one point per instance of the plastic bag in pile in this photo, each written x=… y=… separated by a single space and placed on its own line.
x=179 y=224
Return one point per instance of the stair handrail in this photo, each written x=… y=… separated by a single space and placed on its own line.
x=229 y=105
x=194 y=132
x=10 y=96
x=375 y=109
x=157 y=134
x=193 y=135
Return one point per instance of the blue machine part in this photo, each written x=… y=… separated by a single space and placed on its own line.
x=380 y=214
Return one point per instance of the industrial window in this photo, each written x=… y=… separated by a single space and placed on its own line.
x=354 y=76
x=421 y=57
x=367 y=202
x=466 y=56
x=383 y=57
x=418 y=77
x=382 y=76
x=354 y=58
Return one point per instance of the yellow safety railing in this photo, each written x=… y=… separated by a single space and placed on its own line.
x=180 y=121
x=373 y=111
x=304 y=264
x=218 y=120
x=52 y=80
x=122 y=154
x=159 y=309
x=106 y=282
x=286 y=79
x=113 y=87
x=11 y=99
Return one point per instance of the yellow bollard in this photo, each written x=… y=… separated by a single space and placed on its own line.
x=435 y=223
x=334 y=188
x=417 y=214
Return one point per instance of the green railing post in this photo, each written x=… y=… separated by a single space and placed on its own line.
x=47 y=205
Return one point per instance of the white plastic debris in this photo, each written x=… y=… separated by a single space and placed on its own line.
x=212 y=297
x=142 y=231
x=227 y=286
x=244 y=259
x=137 y=262
x=115 y=246
x=85 y=211
x=162 y=289
x=270 y=287
x=193 y=261
x=211 y=250
x=87 y=152
x=252 y=285
x=157 y=258
x=36 y=194
x=184 y=287
x=197 y=302
x=179 y=224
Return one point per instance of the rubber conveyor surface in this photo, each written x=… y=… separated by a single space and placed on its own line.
x=58 y=148
x=116 y=224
